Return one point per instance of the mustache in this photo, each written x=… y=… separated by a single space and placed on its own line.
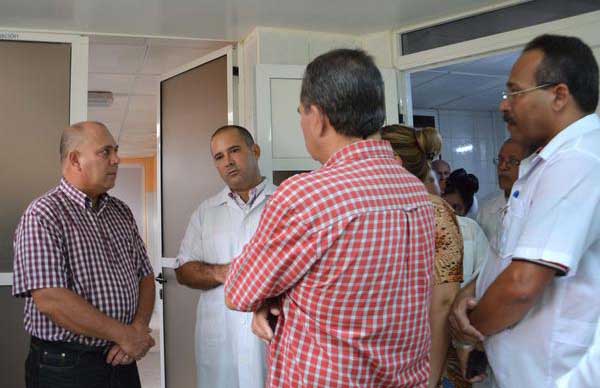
x=507 y=119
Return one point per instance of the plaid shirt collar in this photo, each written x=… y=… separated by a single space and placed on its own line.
x=80 y=198
x=363 y=149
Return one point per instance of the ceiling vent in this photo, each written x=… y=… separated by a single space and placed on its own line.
x=100 y=99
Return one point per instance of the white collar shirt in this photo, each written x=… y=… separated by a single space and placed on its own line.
x=553 y=219
x=228 y=355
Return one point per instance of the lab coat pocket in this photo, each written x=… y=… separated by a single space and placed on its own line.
x=211 y=315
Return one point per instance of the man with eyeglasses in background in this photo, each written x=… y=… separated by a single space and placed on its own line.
x=490 y=212
x=535 y=305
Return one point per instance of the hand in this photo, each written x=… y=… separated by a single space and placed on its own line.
x=460 y=325
x=117 y=356
x=463 y=357
x=136 y=341
x=260 y=322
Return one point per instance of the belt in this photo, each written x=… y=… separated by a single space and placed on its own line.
x=73 y=346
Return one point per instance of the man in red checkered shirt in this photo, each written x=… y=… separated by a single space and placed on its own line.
x=345 y=250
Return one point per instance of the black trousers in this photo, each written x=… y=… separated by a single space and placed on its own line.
x=70 y=365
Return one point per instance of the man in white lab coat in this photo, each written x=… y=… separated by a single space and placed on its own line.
x=228 y=355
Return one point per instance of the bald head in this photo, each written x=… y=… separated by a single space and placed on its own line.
x=75 y=135
x=89 y=157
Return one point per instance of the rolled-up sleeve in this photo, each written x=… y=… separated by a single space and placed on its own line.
x=564 y=216
x=281 y=252
x=38 y=258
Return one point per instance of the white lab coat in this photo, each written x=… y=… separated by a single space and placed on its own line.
x=228 y=354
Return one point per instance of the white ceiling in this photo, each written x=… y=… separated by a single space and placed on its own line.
x=475 y=85
x=130 y=68
x=225 y=19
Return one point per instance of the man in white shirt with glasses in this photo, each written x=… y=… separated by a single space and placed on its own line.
x=537 y=302
x=492 y=207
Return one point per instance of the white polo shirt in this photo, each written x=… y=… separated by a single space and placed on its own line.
x=228 y=354
x=553 y=218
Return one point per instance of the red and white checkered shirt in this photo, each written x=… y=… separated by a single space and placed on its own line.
x=63 y=242
x=349 y=248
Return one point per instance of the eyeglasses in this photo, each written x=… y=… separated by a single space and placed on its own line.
x=507 y=95
x=509 y=162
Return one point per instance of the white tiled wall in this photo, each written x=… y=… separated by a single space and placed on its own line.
x=484 y=131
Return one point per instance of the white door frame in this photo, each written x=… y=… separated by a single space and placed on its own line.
x=584 y=26
x=169 y=262
x=79 y=79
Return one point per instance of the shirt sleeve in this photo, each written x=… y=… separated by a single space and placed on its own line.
x=281 y=252
x=448 y=247
x=564 y=215
x=38 y=259
x=191 y=247
x=144 y=265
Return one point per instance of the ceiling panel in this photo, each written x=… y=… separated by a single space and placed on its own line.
x=226 y=20
x=447 y=88
x=142 y=104
x=422 y=77
x=493 y=65
x=119 y=59
x=162 y=59
x=146 y=84
x=116 y=83
x=474 y=85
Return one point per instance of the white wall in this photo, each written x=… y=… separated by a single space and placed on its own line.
x=485 y=131
x=129 y=188
x=292 y=47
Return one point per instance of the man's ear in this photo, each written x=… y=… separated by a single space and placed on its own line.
x=256 y=150
x=562 y=95
x=321 y=121
x=73 y=160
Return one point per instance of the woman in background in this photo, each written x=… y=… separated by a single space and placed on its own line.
x=416 y=148
x=460 y=193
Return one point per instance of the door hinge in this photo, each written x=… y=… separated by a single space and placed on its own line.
x=236 y=71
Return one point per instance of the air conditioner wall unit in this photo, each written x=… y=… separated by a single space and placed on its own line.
x=100 y=99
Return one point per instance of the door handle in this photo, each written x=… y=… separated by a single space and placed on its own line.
x=160 y=278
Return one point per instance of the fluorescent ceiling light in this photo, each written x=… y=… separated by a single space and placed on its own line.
x=464 y=148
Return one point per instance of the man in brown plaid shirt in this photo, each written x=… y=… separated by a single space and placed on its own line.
x=83 y=269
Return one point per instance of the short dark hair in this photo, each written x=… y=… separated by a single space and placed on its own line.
x=347 y=87
x=241 y=130
x=570 y=61
x=464 y=184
